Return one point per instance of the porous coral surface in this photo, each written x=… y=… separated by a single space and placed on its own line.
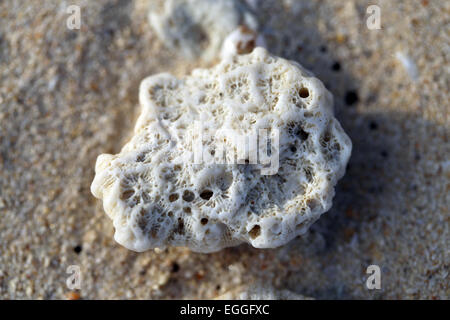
x=158 y=195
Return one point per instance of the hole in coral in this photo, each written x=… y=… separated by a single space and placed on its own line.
x=140 y=158
x=224 y=181
x=154 y=232
x=255 y=232
x=204 y=221
x=127 y=194
x=245 y=47
x=303 y=92
x=180 y=228
x=308 y=174
x=142 y=223
x=206 y=194
x=173 y=197
x=302 y=134
x=326 y=138
x=293 y=149
x=312 y=204
x=187 y=210
x=188 y=196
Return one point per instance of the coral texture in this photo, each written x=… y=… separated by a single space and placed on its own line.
x=260 y=291
x=240 y=41
x=198 y=27
x=160 y=193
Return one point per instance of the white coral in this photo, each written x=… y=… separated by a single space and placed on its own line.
x=260 y=291
x=240 y=41
x=158 y=197
x=197 y=28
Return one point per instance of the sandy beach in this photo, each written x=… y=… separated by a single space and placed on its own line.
x=67 y=96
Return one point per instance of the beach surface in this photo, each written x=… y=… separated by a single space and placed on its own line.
x=67 y=96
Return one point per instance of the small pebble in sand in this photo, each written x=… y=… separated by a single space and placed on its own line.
x=73 y=295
